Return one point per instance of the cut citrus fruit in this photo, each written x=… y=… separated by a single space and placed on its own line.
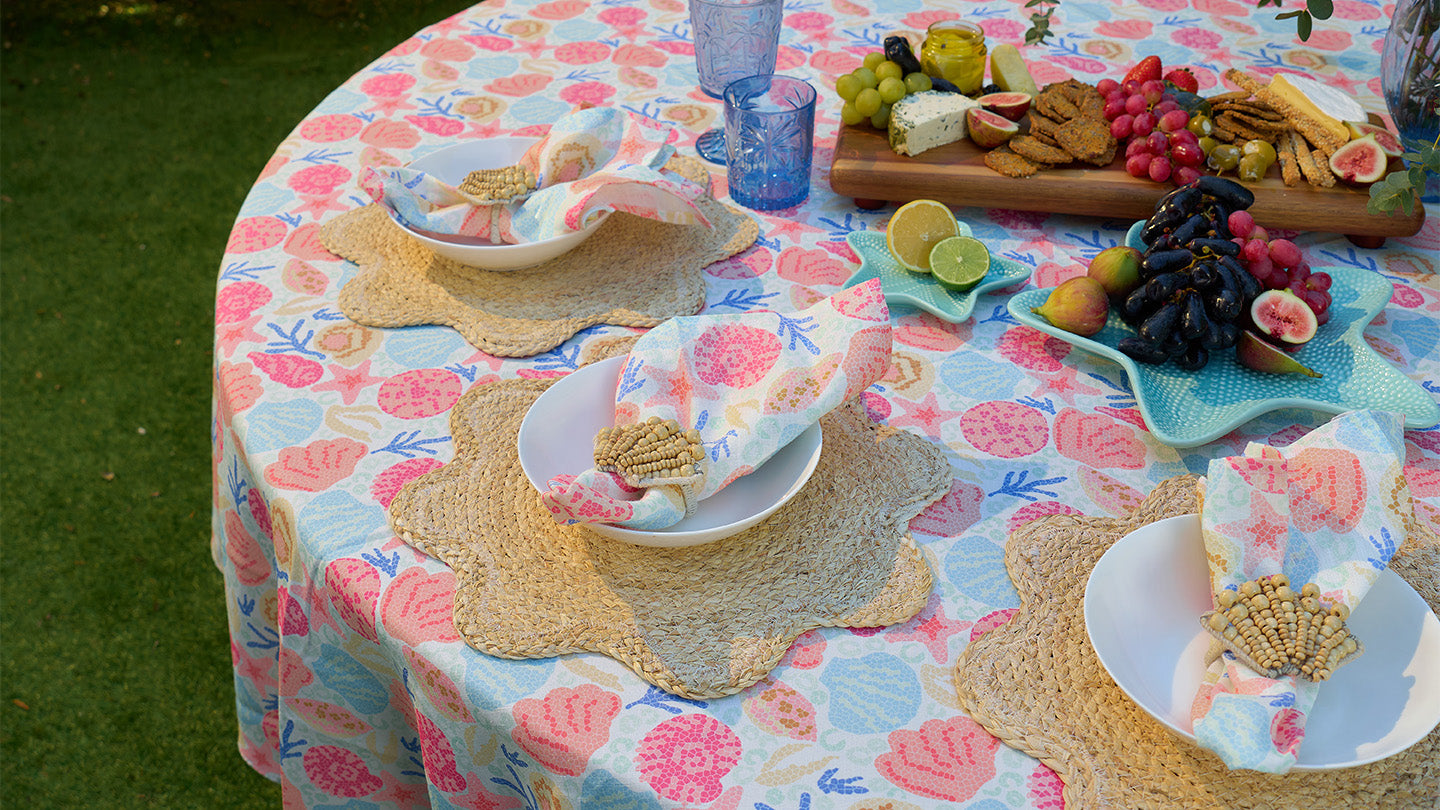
x=959 y=263
x=915 y=229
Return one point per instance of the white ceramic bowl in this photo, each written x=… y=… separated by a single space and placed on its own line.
x=557 y=436
x=451 y=165
x=1142 y=607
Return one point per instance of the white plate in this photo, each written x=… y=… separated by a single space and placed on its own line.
x=451 y=165
x=1142 y=608
x=557 y=436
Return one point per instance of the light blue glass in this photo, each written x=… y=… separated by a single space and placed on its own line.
x=769 y=140
x=733 y=39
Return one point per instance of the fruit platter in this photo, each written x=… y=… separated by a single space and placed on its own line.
x=1215 y=322
x=1112 y=149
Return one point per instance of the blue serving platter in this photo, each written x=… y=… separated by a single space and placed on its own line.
x=1185 y=409
x=921 y=290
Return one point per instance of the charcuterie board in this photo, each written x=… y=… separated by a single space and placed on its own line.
x=865 y=168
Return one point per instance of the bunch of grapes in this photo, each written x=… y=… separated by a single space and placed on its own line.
x=871 y=89
x=1277 y=264
x=1155 y=129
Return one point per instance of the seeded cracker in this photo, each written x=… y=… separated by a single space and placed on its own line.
x=1006 y=162
x=1086 y=139
x=1032 y=149
x=1308 y=167
x=1313 y=132
x=1285 y=154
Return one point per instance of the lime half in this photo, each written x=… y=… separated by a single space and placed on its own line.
x=959 y=263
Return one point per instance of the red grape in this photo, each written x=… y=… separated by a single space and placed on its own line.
x=1185 y=175
x=1253 y=250
x=1159 y=144
x=1180 y=136
x=1260 y=233
x=1152 y=91
x=1121 y=126
x=1173 y=121
x=1107 y=86
x=1159 y=168
x=1322 y=317
x=1284 y=253
x=1166 y=105
x=1187 y=154
x=1136 y=105
x=1138 y=165
x=1131 y=87
x=1240 y=223
x=1319 y=281
x=1114 y=107
x=1137 y=146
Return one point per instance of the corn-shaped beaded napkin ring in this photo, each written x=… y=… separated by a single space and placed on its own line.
x=656 y=452
x=1275 y=631
x=498 y=185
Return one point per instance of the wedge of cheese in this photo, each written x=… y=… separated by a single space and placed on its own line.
x=1332 y=127
x=926 y=120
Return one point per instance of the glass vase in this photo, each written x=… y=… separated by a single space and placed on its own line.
x=1409 y=77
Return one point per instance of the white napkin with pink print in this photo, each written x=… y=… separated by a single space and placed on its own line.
x=1329 y=509
x=592 y=160
x=748 y=383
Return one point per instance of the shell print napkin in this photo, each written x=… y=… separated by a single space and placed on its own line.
x=593 y=160
x=1330 y=509
x=705 y=399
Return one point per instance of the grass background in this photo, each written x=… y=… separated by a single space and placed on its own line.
x=128 y=140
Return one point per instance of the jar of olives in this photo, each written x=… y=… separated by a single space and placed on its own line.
x=954 y=50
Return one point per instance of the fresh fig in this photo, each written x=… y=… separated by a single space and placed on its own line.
x=1078 y=305
x=1283 y=317
x=1011 y=105
x=1389 y=144
x=1359 y=161
x=1118 y=271
x=987 y=129
x=1254 y=353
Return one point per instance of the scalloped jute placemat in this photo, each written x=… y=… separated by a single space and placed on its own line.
x=699 y=622
x=631 y=272
x=1036 y=684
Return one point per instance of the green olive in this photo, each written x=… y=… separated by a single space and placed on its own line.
x=1253 y=167
x=1224 y=157
x=1201 y=125
x=1259 y=147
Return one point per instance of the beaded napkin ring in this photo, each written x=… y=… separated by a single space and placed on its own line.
x=498 y=185
x=653 y=453
x=1276 y=631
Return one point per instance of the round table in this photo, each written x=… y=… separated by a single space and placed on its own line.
x=320 y=421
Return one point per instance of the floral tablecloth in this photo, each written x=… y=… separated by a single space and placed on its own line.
x=352 y=687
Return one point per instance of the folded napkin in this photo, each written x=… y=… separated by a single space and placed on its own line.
x=1330 y=509
x=706 y=399
x=593 y=160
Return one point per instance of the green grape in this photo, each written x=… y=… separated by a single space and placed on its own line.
x=891 y=90
x=868 y=102
x=849 y=115
x=888 y=69
x=874 y=58
x=1224 y=157
x=1208 y=143
x=848 y=86
x=881 y=118
x=1253 y=167
x=866 y=76
x=918 y=83
x=1259 y=147
x=1201 y=125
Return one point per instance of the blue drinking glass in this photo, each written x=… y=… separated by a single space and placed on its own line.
x=769 y=140
x=733 y=39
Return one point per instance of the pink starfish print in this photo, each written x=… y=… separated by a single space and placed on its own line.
x=1065 y=384
x=932 y=629
x=480 y=357
x=349 y=382
x=257 y=671
x=534 y=48
x=791 y=228
x=1261 y=535
x=388 y=106
x=230 y=335
x=925 y=414
x=489 y=130
x=316 y=204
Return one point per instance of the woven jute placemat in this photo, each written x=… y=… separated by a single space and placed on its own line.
x=1036 y=684
x=699 y=622
x=631 y=272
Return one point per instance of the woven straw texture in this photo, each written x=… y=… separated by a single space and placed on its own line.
x=631 y=272
x=1036 y=684
x=699 y=622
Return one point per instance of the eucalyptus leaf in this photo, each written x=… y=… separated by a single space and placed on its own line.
x=1321 y=9
x=1302 y=26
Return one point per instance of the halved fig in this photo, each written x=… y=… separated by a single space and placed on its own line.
x=1011 y=105
x=987 y=129
x=1389 y=144
x=1283 y=317
x=1360 y=161
x=1254 y=353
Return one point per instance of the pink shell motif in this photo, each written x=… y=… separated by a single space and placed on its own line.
x=316 y=466
x=438 y=687
x=416 y=607
x=734 y=355
x=566 y=727
x=784 y=712
x=389 y=482
x=865 y=302
x=438 y=756
x=255 y=234
x=339 y=771
x=238 y=301
x=945 y=759
x=1097 y=441
x=252 y=567
x=291 y=371
x=685 y=758
x=294 y=675
x=354 y=587
x=867 y=358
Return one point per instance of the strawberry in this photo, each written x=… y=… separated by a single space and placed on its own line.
x=1183 y=79
x=1145 y=70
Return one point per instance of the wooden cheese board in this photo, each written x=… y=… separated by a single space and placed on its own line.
x=865 y=168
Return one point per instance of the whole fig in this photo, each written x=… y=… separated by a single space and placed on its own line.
x=1079 y=305
x=1118 y=270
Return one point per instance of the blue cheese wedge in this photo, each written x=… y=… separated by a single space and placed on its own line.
x=926 y=120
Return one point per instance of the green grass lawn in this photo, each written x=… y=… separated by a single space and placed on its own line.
x=126 y=148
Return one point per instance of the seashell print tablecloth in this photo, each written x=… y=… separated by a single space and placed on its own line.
x=352 y=687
